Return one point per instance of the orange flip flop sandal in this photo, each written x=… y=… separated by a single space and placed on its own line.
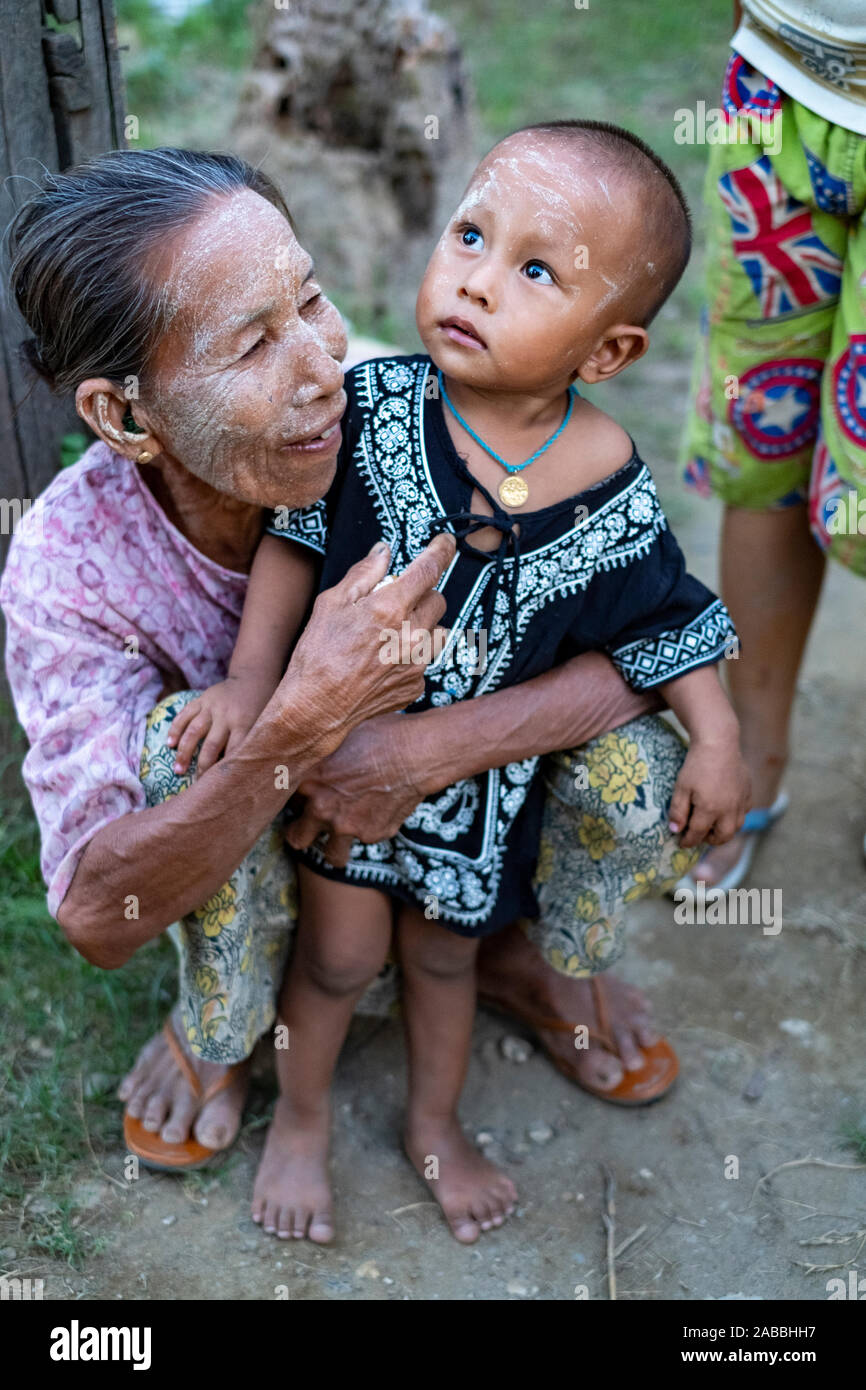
x=152 y=1150
x=652 y=1081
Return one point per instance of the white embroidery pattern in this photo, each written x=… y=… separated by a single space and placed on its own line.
x=307 y=525
x=390 y=457
x=654 y=660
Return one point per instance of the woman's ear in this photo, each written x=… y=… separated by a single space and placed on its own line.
x=621 y=345
x=103 y=406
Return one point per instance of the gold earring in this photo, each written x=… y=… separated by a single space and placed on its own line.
x=144 y=457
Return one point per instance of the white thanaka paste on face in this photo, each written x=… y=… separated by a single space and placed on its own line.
x=561 y=183
x=215 y=415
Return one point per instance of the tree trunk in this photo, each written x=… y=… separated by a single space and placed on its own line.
x=361 y=110
x=61 y=100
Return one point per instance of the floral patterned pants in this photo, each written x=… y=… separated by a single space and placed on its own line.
x=605 y=843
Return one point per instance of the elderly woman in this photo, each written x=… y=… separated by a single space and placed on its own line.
x=167 y=290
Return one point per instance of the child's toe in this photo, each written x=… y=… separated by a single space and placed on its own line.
x=464 y=1227
x=482 y=1213
x=321 y=1227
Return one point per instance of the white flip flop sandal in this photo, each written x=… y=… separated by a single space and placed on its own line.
x=756 y=823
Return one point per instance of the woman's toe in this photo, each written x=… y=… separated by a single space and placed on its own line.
x=155 y=1113
x=178 y=1125
x=216 y=1125
x=632 y=1057
x=140 y=1100
x=646 y=1032
x=603 y=1069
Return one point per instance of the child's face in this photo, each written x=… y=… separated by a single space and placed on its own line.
x=533 y=263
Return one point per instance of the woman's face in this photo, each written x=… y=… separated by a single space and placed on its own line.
x=245 y=388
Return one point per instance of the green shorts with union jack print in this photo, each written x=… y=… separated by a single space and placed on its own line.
x=779 y=395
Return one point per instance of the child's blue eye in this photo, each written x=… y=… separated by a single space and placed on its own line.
x=537 y=270
x=470 y=236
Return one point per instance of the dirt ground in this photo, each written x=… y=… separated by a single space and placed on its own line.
x=769 y=1030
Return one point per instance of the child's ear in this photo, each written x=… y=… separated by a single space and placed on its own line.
x=621 y=345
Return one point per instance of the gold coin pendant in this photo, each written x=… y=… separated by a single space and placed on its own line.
x=513 y=491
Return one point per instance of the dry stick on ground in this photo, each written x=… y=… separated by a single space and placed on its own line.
x=629 y=1241
x=97 y=1164
x=608 y=1216
x=828 y=1240
x=804 y=1163
x=412 y=1206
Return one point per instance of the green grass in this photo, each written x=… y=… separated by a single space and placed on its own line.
x=182 y=78
x=68 y=1032
x=855 y=1138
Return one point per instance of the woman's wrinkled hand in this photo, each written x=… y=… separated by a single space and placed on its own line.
x=341 y=672
x=364 y=791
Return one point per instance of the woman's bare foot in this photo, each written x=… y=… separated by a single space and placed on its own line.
x=474 y=1194
x=292 y=1194
x=157 y=1094
x=514 y=975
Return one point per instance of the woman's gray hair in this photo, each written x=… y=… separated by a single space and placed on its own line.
x=76 y=253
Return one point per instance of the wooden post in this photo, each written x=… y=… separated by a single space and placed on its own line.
x=61 y=100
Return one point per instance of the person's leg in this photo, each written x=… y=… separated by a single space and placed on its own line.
x=232 y=954
x=439 y=991
x=771 y=580
x=605 y=843
x=343 y=936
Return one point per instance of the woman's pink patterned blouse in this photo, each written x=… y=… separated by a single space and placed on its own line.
x=104 y=601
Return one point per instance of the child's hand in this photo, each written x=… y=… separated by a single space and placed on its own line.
x=222 y=716
x=711 y=795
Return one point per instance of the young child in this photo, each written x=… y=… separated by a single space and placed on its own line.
x=568 y=240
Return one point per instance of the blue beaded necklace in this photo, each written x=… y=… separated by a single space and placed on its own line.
x=513 y=491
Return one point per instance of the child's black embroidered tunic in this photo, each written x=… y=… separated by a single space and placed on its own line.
x=599 y=571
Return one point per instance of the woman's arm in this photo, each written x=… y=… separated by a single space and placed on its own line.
x=150 y=868
x=146 y=869
x=367 y=788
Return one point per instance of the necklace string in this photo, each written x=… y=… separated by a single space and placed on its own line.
x=464 y=523
x=510 y=467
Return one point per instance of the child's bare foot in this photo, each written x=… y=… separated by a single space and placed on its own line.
x=292 y=1194
x=474 y=1194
